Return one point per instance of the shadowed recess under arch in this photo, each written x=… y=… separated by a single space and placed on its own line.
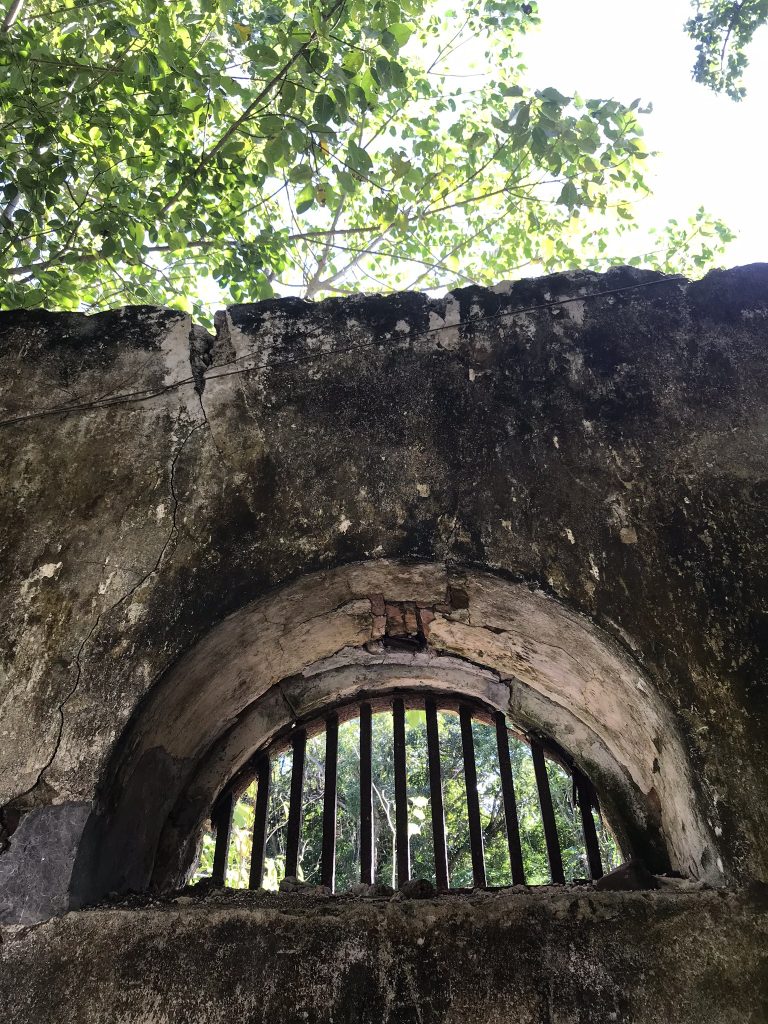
x=332 y=635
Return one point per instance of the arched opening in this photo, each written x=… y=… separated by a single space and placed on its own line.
x=406 y=785
x=376 y=627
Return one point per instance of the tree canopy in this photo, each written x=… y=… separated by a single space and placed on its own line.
x=155 y=150
x=722 y=30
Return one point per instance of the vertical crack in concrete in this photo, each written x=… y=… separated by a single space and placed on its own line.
x=174 y=518
x=60 y=730
x=121 y=600
x=201 y=345
x=207 y=424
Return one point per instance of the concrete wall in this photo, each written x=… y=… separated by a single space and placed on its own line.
x=534 y=958
x=599 y=442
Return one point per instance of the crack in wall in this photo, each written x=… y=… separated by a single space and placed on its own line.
x=174 y=513
x=5 y=833
x=5 y=830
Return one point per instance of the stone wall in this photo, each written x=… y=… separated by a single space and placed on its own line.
x=535 y=958
x=570 y=473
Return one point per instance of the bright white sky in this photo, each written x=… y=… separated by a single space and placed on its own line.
x=712 y=151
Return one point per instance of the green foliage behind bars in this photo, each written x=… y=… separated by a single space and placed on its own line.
x=419 y=813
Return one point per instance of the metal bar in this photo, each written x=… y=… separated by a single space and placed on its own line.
x=510 y=804
x=264 y=779
x=584 y=795
x=473 y=801
x=223 y=824
x=401 y=792
x=366 y=797
x=299 y=743
x=328 y=858
x=547 y=814
x=436 y=796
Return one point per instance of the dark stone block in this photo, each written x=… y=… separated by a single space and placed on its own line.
x=632 y=875
x=36 y=868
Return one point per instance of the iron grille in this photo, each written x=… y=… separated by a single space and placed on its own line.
x=295 y=739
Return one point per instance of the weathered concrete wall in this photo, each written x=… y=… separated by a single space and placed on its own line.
x=601 y=439
x=560 y=958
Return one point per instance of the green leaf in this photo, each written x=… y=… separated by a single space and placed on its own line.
x=358 y=159
x=346 y=182
x=539 y=143
x=569 y=195
x=264 y=56
x=352 y=62
x=397 y=74
x=318 y=59
x=137 y=232
x=401 y=31
x=305 y=199
x=300 y=173
x=477 y=138
x=389 y=43
x=382 y=72
x=288 y=94
x=323 y=107
x=277 y=150
x=109 y=247
x=401 y=165
x=271 y=124
x=553 y=96
x=369 y=85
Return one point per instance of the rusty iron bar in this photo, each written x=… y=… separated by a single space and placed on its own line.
x=263 y=782
x=584 y=795
x=366 y=795
x=510 y=804
x=547 y=814
x=222 y=822
x=260 y=765
x=473 y=800
x=401 y=792
x=298 y=744
x=436 y=796
x=328 y=856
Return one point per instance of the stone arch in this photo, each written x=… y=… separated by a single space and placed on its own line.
x=322 y=637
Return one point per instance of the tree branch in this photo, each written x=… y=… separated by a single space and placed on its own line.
x=245 y=116
x=314 y=282
x=11 y=14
